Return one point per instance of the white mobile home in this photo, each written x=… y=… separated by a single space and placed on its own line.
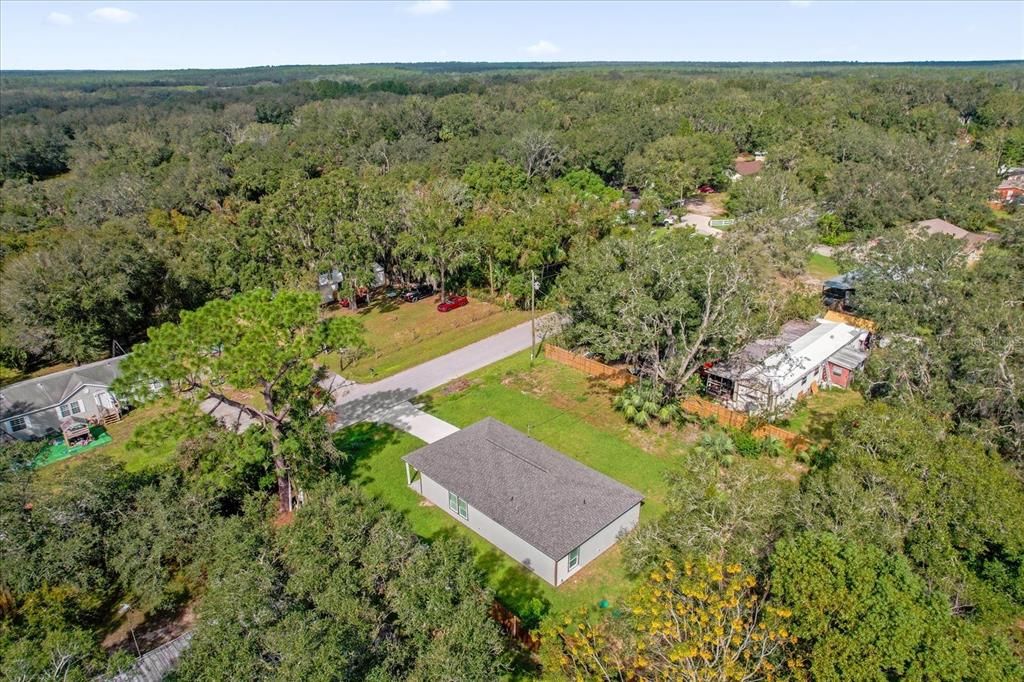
x=768 y=375
x=548 y=512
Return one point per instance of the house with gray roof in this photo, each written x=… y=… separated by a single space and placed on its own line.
x=39 y=407
x=547 y=511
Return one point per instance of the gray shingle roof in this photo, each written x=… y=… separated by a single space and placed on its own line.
x=849 y=357
x=549 y=500
x=53 y=389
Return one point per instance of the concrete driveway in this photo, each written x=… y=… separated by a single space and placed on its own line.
x=407 y=417
x=228 y=416
x=356 y=403
x=701 y=224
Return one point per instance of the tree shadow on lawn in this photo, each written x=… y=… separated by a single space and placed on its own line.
x=360 y=442
x=381 y=304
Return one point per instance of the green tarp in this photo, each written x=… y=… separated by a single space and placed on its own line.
x=60 y=451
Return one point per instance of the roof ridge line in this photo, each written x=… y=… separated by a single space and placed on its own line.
x=519 y=457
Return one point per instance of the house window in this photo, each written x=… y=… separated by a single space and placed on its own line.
x=838 y=371
x=71 y=408
x=458 y=505
x=574 y=559
x=18 y=424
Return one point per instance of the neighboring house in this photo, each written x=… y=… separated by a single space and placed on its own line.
x=550 y=513
x=768 y=375
x=1011 y=189
x=37 y=408
x=328 y=282
x=744 y=167
x=838 y=292
x=973 y=242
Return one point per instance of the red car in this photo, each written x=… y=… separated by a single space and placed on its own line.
x=451 y=303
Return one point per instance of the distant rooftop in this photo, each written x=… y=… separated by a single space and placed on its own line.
x=939 y=226
x=544 y=497
x=748 y=167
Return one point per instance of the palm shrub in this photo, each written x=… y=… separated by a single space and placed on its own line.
x=718 y=446
x=643 y=402
x=772 y=447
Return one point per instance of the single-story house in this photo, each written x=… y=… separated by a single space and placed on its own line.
x=547 y=511
x=1011 y=188
x=838 y=292
x=974 y=242
x=768 y=375
x=45 y=406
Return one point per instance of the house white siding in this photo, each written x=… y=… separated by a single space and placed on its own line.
x=511 y=544
x=597 y=545
x=41 y=422
x=524 y=553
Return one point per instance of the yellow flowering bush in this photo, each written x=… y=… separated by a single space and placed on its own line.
x=691 y=622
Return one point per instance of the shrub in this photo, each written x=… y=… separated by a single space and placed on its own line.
x=747 y=445
x=643 y=401
x=533 y=612
x=719 y=446
x=772 y=447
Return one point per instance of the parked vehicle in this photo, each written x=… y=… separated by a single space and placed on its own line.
x=362 y=298
x=451 y=303
x=418 y=293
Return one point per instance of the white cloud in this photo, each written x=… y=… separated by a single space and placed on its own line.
x=542 y=48
x=429 y=7
x=113 y=15
x=58 y=19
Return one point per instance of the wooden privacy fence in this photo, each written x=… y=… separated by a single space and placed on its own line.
x=738 y=420
x=616 y=376
x=513 y=627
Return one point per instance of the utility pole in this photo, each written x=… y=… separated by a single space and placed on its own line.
x=533 y=315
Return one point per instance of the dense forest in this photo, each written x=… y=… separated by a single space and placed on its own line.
x=130 y=198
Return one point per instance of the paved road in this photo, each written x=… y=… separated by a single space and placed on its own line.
x=356 y=403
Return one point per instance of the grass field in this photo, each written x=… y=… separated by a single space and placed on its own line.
x=402 y=335
x=821 y=267
x=557 y=406
x=144 y=438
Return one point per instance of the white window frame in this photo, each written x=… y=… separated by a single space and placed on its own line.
x=71 y=410
x=837 y=371
x=458 y=506
x=24 y=424
x=573 y=565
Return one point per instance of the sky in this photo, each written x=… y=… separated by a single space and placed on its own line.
x=151 y=35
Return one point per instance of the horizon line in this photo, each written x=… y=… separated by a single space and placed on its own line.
x=564 y=63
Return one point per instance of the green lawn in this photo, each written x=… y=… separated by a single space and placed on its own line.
x=821 y=267
x=814 y=416
x=533 y=401
x=145 y=437
x=402 y=335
